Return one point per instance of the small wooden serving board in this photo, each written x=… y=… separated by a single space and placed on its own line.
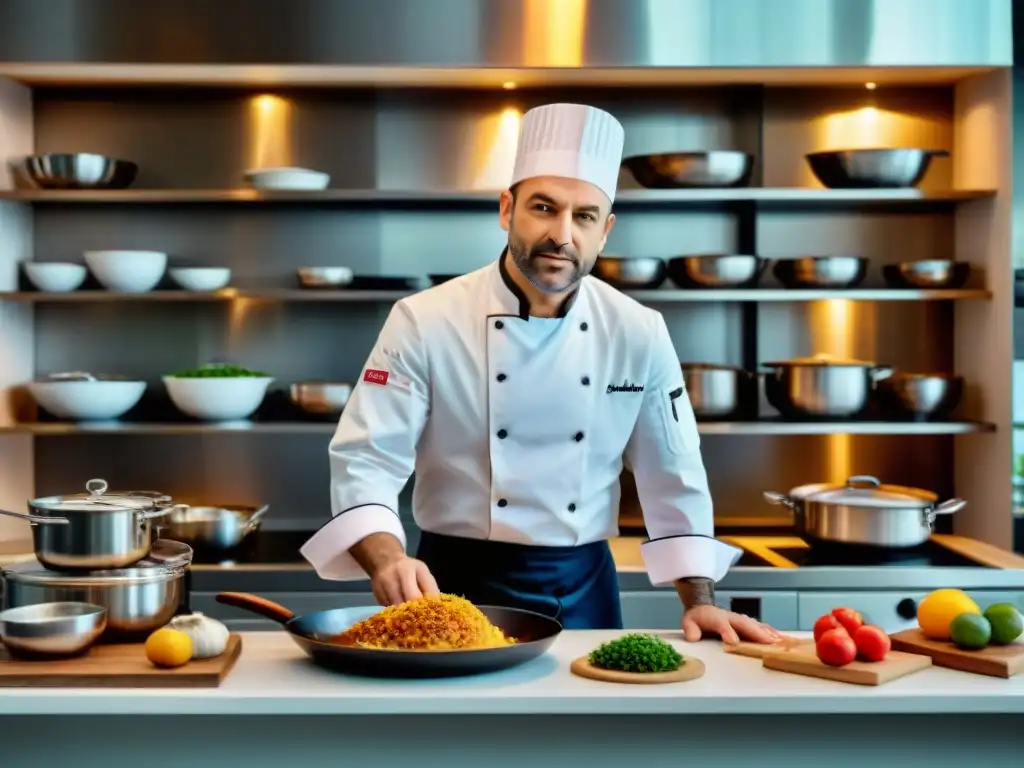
x=994 y=661
x=760 y=650
x=117 y=666
x=805 y=662
x=691 y=669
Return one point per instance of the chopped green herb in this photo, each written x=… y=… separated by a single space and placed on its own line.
x=637 y=653
x=217 y=371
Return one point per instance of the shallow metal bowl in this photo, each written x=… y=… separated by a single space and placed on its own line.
x=644 y=272
x=81 y=170
x=217 y=527
x=927 y=273
x=320 y=397
x=872 y=168
x=920 y=394
x=680 y=170
x=821 y=271
x=52 y=630
x=325 y=277
x=716 y=271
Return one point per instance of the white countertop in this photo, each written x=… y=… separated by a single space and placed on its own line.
x=273 y=676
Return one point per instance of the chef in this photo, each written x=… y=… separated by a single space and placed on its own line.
x=517 y=393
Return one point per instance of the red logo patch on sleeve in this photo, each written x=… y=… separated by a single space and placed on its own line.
x=375 y=377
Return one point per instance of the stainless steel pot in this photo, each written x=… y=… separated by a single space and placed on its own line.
x=138 y=600
x=220 y=527
x=94 y=530
x=865 y=512
x=716 y=391
x=821 y=387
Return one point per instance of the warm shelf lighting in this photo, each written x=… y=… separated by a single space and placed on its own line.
x=509 y=86
x=870 y=86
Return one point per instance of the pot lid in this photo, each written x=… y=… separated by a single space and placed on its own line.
x=867 y=491
x=98 y=500
x=822 y=358
x=144 y=572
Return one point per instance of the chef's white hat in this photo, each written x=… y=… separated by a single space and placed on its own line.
x=570 y=140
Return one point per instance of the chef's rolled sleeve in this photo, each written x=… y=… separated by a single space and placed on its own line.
x=663 y=453
x=373 y=451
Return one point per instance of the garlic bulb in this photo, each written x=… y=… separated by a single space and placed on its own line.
x=209 y=636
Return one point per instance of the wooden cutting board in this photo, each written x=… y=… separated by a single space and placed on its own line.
x=994 y=661
x=805 y=662
x=758 y=650
x=117 y=666
x=691 y=670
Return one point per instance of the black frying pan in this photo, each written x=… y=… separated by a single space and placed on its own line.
x=534 y=632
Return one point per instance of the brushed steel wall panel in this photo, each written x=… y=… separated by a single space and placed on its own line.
x=511 y=33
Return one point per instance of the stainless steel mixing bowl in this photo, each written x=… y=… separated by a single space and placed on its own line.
x=872 y=168
x=82 y=170
x=52 y=630
x=674 y=170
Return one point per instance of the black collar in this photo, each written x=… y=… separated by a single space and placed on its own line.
x=524 y=302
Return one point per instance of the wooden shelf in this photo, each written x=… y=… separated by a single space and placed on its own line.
x=628 y=197
x=766 y=427
x=663 y=295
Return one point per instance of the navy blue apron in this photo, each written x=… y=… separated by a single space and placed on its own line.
x=577 y=586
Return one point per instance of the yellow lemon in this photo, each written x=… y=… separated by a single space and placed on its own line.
x=938 y=609
x=168 y=647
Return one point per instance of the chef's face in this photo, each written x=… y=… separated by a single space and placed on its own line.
x=556 y=229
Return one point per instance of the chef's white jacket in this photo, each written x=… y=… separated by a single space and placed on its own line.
x=518 y=427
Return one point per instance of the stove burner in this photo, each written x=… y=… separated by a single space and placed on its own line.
x=820 y=554
x=259 y=547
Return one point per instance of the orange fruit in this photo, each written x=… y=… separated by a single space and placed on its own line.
x=938 y=609
x=168 y=647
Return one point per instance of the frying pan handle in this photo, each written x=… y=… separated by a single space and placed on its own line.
x=265 y=608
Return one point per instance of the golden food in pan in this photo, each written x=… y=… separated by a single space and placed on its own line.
x=437 y=623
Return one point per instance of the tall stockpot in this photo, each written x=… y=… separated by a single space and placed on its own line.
x=862 y=511
x=95 y=530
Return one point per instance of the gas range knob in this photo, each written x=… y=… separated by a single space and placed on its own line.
x=906 y=608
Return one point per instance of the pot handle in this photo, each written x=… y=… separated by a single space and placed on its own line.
x=945 y=508
x=880 y=372
x=36 y=519
x=254 y=521
x=779 y=499
x=149 y=514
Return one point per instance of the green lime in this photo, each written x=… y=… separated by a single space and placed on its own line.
x=1007 y=622
x=970 y=631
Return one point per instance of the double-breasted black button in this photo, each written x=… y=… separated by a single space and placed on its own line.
x=502 y=503
x=498 y=324
x=583 y=326
x=578 y=436
x=585 y=381
x=502 y=434
x=501 y=377
x=572 y=507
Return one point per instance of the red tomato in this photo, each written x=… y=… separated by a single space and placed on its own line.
x=849 y=618
x=824 y=624
x=836 y=648
x=872 y=643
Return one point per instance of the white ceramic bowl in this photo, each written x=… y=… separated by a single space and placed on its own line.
x=201 y=278
x=127 y=271
x=87 y=400
x=287 y=178
x=218 y=399
x=55 y=277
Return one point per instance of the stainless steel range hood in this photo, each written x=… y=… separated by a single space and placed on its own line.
x=511 y=33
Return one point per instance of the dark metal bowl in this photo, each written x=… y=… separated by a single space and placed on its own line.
x=872 y=168
x=81 y=170
x=928 y=273
x=716 y=271
x=926 y=395
x=679 y=170
x=821 y=271
x=641 y=273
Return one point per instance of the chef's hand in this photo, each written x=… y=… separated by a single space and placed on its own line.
x=732 y=627
x=403 y=578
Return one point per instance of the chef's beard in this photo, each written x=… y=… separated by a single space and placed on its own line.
x=539 y=272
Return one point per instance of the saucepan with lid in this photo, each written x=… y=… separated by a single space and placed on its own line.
x=865 y=512
x=94 y=530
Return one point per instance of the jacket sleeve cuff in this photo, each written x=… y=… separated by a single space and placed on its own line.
x=687 y=557
x=327 y=550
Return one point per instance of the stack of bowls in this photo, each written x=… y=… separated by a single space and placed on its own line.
x=99 y=549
